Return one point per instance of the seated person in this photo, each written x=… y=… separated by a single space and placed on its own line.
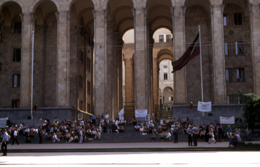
x=94 y=133
x=168 y=135
x=76 y=138
x=121 y=128
x=164 y=128
x=153 y=136
x=71 y=139
x=88 y=132
x=162 y=136
x=141 y=130
x=137 y=127
x=234 y=139
x=28 y=139
x=67 y=136
x=98 y=135
x=49 y=136
x=55 y=138
x=160 y=129
x=154 y=131
x=134 y=122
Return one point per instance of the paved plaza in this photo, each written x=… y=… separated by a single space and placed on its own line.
x=207 y=159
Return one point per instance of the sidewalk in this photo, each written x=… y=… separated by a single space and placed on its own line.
x=129 y=147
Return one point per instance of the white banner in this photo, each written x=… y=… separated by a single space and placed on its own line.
x=121 y=115
x=140 y=113
x=227 y=120
x=80 y=116
x=3 y=122
x=204 y=106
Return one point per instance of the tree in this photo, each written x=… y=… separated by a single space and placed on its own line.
x=251 y=109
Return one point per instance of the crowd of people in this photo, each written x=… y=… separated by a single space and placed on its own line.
x=210 y=133
x=78 y=131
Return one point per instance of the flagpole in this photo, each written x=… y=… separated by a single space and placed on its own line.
x=201 y=77
x=32 y=75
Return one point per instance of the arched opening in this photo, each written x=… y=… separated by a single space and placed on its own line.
x=45 y=59
x=81 y=55
x=10 y=54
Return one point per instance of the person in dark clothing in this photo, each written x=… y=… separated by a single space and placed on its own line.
x=8 y=122
x=40 y=136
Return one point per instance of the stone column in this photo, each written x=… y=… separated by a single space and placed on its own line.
x=255 y=43
x=218 y=58
x=63 y=59
x=129 y=80
x=120 y=73
x=109 y=70
x=100 y=24
x=26 y=56
x=180 y=81
x=155 y=81
x=140 y=59
x=115 y=74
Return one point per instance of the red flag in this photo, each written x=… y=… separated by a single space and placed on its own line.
x=190 y=53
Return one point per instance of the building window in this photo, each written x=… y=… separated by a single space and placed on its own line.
x=81 y=105
x=165 y=66
x=17 y=55
x=238 y=18
x=225 y=19
x=17 y=27
x=161 y=38
x=228 y=75
x=88 y=63
x=228 y=99
x=81 y=57
x=234 y=99
x=240 y=74
x=15 y=103
x=226 y=48
x=165 y=76
x=88 y=108
x=168 y=38
x=16 y=80
x=88 y=87
x=239 y=48
x=80 y=81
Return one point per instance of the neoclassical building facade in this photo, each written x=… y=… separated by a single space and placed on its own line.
x=79 y=52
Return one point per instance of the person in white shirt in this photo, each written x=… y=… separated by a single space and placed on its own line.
x=15 y=137
x=54 y=138
x=106 y=116
x=168 y=135
x=94 y=133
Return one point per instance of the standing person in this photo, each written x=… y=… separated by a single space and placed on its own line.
x=220 y=133
x=80 y=136
x=15 y=137
x=248 y=134
x=93 y=119
x=211 y=135
x=4 y=142
x=8 y=122
x=189 y=132
x=175 y=133
x=195 y=132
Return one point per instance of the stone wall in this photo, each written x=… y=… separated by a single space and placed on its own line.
x=183 y=111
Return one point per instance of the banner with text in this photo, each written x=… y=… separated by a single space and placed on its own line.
x=140 y=113
x=3 y=122
x=227 y=120
x=204 y=106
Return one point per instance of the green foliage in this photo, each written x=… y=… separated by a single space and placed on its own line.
x=251 y=109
